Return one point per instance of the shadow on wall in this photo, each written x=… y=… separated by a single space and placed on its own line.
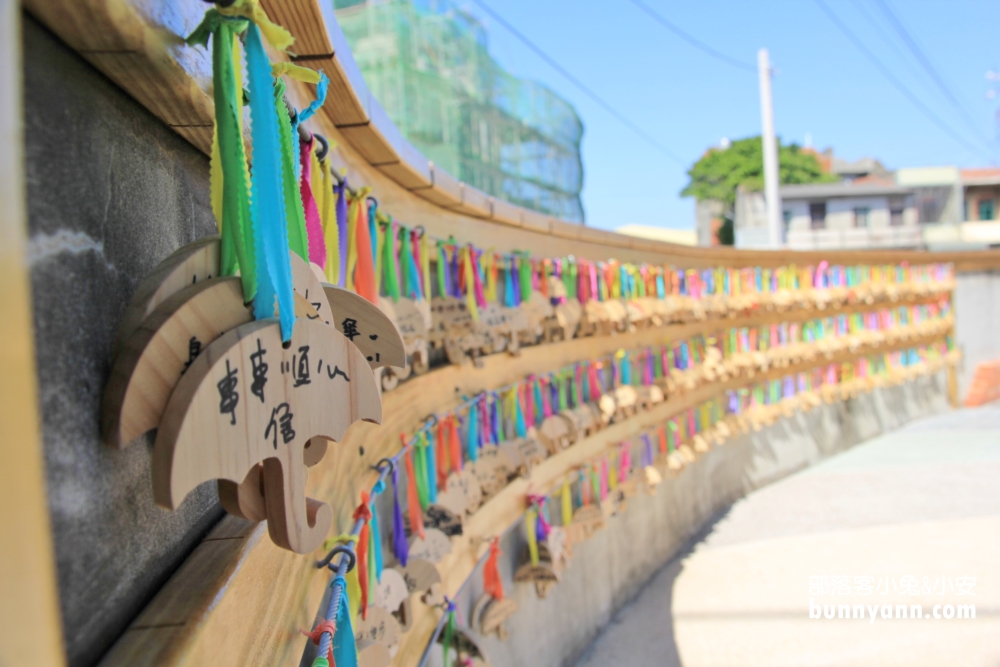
x=650 y=614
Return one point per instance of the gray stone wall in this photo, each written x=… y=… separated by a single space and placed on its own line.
x=977 y=322
x=611 y=568
x=111 y=192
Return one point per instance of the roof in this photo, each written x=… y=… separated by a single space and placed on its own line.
x=837 y=190
x=681 y=236
x=865 y=165
x=981 y=176
x=928 y=176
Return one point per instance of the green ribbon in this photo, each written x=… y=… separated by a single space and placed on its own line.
x=295 y=215
x=237 y=252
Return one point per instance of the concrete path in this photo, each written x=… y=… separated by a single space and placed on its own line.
x=907 y=518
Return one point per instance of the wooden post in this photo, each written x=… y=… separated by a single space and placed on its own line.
x=30 y=632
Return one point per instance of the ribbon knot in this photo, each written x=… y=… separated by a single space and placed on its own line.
x=363 y=512
x=316 y=635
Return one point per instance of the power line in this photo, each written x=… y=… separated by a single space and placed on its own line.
x=925 y=63
x=893 y=44
x=579 y=84
x=692 y=40
x=896 y=82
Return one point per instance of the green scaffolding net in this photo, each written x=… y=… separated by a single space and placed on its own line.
x=428 y=65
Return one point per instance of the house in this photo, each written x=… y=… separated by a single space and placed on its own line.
x=981 y=194
x=957 y=208
x=862 y=211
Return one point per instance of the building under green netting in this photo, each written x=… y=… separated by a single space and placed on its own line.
x=427 y=63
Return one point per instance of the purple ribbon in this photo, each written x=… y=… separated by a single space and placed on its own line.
x=341 y=211
x=399 y=544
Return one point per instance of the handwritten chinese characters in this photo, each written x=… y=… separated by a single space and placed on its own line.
x=231 y=411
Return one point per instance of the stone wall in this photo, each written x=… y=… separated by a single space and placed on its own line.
x=610 y=569
x=977 y=322
x=111 y=192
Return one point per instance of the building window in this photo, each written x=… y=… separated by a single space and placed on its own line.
x=861 y=217
x=817 y=215
x=896 y=206
x=987 y=209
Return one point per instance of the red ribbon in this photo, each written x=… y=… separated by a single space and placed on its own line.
x=491 y=573
x=412 y=499
x=363 y=513
x=317 y=634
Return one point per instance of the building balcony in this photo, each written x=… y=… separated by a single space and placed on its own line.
x=909 y=236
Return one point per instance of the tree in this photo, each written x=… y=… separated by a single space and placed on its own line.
x=720 y=171
x=725 y=234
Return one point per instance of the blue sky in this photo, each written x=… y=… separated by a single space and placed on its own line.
x=688 y=101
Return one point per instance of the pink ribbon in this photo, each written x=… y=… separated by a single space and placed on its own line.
x=314 y=226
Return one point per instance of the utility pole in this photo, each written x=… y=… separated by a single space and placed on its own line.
x=771 y=180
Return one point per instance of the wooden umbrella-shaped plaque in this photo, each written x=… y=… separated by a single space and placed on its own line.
x=249 y=399
x=185 y=320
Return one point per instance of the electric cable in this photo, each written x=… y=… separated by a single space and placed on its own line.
x=580 y=85
x=925 y=63
x=896 y=82
x=692 y=40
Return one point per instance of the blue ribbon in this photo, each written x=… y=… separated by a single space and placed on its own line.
x=267 y=205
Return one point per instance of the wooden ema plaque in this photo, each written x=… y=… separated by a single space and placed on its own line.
x=544 y=576
x=182 y=309
x=432 y=547
x=489 y=615
x=378 y=627
x=248 y=399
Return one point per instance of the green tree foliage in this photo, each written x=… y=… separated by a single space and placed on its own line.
x=726 y=235
x=720 y=171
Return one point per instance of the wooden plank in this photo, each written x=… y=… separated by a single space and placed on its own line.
x=475 y=202
x=564 y=230
x=346 y=105
x=31 y=633
x=445 y=191
x=505 y=212
x=408 y=175
x=538 y=222
x=307 y=20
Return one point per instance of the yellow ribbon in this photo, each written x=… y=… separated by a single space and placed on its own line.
x=328 y=217
x=530 y=520
x=297 y=72
x=567 y=505
x=425 y=265
x=276 y=36
x=470 y=285
x=489 y=285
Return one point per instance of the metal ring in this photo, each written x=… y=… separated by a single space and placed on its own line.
x=324 y=146
x=339 y=549
x=419 y=231
x=387 y=461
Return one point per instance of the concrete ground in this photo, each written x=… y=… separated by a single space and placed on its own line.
x=917 y=511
